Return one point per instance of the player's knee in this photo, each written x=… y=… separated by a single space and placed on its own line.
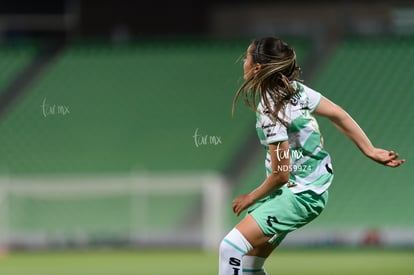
x=229 y=253
x=235 y=243
x=232 y=249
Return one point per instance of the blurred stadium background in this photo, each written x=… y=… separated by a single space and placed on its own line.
x=116 y=127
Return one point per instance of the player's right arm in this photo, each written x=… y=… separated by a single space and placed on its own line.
x=280 y=160
x=350 y=128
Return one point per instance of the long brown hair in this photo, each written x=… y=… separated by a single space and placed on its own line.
x=272 y=83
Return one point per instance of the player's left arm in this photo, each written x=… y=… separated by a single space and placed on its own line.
x=348 y=126
x=280 y=159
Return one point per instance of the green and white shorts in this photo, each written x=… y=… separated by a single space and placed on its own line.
x=284 y=211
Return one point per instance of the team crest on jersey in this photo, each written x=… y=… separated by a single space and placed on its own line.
x=295 y=98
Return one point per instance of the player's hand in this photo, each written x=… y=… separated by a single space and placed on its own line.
x=385 y=157
x=241 y=203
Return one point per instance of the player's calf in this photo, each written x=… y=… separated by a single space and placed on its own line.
x=253 y=265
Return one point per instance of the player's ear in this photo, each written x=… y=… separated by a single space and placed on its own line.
x=257 y=67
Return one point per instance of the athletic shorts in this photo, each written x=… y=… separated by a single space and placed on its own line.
x=284 y=211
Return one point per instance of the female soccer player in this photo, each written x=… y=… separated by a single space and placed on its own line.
x=299 y=170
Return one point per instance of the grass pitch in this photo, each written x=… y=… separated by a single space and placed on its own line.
x=178 y=262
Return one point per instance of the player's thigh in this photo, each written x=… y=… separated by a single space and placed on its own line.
x=251 y=230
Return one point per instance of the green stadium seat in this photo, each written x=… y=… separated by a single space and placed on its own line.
x=14 y=58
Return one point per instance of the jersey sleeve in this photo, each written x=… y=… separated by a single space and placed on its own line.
x=314 y=98
x=272 y=131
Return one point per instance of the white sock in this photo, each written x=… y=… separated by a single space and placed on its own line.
x=253 y=265
x=232 y=249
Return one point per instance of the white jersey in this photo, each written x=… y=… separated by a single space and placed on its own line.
x=310 y=165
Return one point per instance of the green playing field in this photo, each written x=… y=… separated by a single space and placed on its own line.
x=178 y=262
